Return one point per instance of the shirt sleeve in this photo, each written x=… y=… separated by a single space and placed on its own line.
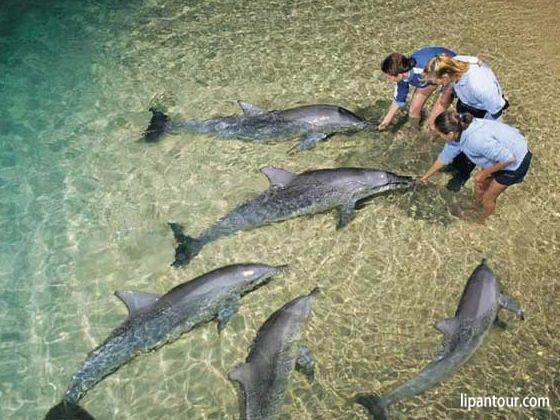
x=401 y=92
x=449 y=152
x=494 y=151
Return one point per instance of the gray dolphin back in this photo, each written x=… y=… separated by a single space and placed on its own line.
x=311 y=123
x=291 y=195
x=264 y=376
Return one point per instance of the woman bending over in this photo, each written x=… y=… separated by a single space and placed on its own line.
x=499 y=149
x=478 y=92
x=406 y=72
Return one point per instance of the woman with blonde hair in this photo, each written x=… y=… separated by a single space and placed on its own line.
x=408 y=71
x=478 y=93
x=498 y=148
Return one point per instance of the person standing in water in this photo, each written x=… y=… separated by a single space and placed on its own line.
x=499 y=149
x=478 y=93
x=406 y=72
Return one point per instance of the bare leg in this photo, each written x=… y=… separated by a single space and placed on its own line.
x=489 y=198
x=480 y=188
x=417 y=102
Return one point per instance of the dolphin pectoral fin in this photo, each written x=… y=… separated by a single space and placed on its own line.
x=251 y=110
x=345 y=215
x=305 y=363
x=511 y=304
x=225 y=315
x=241 y=374
x=446 y=326
x=136 y=301
x=310 y=140
x=277 y=176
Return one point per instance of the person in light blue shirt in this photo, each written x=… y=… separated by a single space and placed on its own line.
x=477 y=90
x=474 y=84
x=499 y=149
x=406 y=72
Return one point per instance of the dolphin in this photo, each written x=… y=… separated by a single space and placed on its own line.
x=312 y=123
x=462 y=335
x=264 y=376
x=155 y=320
x=291 y=195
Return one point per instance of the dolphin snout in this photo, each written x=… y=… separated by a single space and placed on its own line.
x=404 y=181
x=370 y=127
x=282 y=268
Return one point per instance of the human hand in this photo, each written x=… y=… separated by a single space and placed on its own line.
x=421 y=179
x=382 y=126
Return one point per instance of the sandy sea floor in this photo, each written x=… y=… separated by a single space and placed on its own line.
x=85 y=206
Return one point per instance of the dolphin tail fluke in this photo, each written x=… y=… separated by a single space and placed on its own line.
x=374 y=405
x=157 y=126
x=187 y=247
x=67 y=411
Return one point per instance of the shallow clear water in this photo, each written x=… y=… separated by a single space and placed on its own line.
x=84 y=206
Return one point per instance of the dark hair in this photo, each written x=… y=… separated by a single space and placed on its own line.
x=451 y=121
x=396 y=63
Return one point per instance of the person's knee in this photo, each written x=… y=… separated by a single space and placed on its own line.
x=415 y=114
x=416 y=106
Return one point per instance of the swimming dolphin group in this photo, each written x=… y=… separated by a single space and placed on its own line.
x=311 y=123
x=155 y=320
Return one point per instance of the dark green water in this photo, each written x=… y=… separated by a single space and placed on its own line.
x=84 y=207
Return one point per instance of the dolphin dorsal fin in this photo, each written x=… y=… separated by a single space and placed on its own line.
x=446 y=326
x=136 y=301
x=241 y=374
x=277 y=176
x=250 y=110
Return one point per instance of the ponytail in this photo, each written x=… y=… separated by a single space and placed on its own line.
x=451 y=121
x=444 y=64
x=465 y=120
x=395 y=64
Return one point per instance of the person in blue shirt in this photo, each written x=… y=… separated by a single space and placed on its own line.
x=478 y=92
x=406 y=72
x=499 y=149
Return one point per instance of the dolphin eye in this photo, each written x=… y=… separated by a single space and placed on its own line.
x=248 y=273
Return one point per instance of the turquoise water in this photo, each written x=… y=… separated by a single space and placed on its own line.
x=84 y=206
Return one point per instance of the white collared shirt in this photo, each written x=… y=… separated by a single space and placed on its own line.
x=479 y=88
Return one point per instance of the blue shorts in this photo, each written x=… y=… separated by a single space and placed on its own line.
x=514 y=177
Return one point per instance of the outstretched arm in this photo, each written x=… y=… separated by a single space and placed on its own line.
x=442 y=103
x=399 y=100
x=393 y=108
x=436 y=166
